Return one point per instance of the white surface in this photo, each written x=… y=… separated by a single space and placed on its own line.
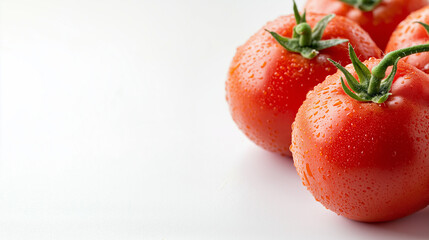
x=114 y=126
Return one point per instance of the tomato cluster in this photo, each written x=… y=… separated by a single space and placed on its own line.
x=267 y=83
x=378 y=18
x=358 y=134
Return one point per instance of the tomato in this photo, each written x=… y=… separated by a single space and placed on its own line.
x=267 y=83
x=365 y=160
x=379 y=22
x=409 y=33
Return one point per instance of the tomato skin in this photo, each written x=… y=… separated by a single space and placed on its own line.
x=407 y=34
x=366 y=161
x=379 y=23
x=267 y=84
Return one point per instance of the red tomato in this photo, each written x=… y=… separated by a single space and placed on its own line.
x=409 y=33
x=267 y=84
x=366 y=161
x=379 y=22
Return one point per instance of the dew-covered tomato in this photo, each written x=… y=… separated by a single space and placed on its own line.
x=378 y=18
x=366 y=159
x=267 y=83
x=410 y=33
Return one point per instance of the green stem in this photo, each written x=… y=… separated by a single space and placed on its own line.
x=305 y=40
x=349 y=2
x=304 y=31
x=379 y=71
x=364 y=5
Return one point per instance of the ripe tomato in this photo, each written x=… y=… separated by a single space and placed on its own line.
x=378 y=22
x=364 y=160
x=409 y=33
x=267 y=83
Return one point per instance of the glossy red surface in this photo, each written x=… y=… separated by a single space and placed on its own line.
x=409 y=33
x=267 y=84
x=366 y=161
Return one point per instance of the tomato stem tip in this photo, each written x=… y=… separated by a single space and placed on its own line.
x=363 y=5
x=305 y=40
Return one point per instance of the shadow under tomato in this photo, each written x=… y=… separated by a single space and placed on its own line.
x=269 y=169
x=271 y=181
x=268 y=177
x=270 y=191
x=416 y=225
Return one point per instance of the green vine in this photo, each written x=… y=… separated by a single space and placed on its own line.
x=372 y=87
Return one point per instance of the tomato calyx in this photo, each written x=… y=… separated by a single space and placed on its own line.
x=363 y=5
x=305 y=40
x=361 y=87
x=372 y=87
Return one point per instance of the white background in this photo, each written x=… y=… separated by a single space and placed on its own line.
x=114 y=125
